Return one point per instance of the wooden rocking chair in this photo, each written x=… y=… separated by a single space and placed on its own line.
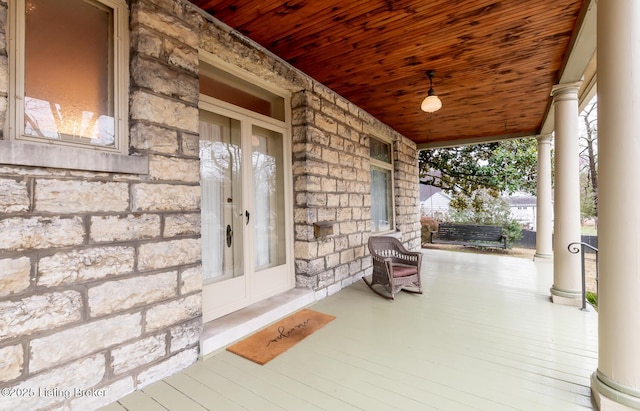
x=394 y=267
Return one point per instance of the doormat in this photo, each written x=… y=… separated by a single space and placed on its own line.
x=267 y=344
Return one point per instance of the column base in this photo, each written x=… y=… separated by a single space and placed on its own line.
x=543 y=257
x=611 y=396
x=565 y=297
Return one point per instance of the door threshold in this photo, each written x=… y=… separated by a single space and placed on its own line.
x=221 y=332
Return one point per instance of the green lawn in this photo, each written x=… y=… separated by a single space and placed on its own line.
x=589 y=230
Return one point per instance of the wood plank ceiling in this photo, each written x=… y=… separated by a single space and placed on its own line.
x=495 y=60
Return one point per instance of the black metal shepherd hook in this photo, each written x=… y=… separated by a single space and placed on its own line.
x=575 y=249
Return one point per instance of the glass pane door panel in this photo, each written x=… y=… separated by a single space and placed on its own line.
x=380 y=199
x=221 y=202
x=268 y=185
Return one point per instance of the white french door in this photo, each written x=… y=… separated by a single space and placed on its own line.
x=244 y=169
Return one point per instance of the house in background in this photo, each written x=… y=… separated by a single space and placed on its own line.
x=523 y=208
x=433 y=201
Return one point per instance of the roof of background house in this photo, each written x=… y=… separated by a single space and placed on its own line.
x=428 y=191
x=521 y=200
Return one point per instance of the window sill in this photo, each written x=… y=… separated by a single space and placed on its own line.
x=392 y=233
x=48 y=155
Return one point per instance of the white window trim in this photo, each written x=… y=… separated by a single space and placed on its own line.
x=20 y=150
x=391 y=167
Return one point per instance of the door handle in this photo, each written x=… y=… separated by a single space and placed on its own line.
x=247 y=214
x=229 y=235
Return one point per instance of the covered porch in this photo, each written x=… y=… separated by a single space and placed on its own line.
x=483 y=337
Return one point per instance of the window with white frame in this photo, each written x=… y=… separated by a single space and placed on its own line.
x=68 y=68
x=382 y=212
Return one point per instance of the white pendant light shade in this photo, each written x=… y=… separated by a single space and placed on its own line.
x=431 y=104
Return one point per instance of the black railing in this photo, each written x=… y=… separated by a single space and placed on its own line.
x=574 y=249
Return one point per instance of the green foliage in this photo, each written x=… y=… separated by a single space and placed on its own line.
x=592 y=298
x=513 y=231
x=484 y=208
x=507 y=166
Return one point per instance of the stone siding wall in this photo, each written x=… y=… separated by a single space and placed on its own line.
x=331 y=186
x=407 y=195
x=100 y=272
x=331 y=175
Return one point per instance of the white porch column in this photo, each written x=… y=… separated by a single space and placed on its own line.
x=616 y=383
x=567 y=272
x=544 y=249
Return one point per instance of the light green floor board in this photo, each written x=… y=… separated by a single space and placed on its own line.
x=172 y=399
x=483 y=336
x=138 y=400
x=198 y=390
x=113 y=407
x=287 y=382
x=239 y=393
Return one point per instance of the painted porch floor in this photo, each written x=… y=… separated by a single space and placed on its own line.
x=483 y=336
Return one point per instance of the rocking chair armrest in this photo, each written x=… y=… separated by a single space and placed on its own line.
x=415 y=253
x=381 y=258
x=409 y=258
x=381 y=261
x=406 y=252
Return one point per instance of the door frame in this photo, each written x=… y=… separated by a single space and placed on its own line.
x=252 y=295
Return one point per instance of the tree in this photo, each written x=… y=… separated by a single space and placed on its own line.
x=507 y=166
x=589 y=151
x=587 y=200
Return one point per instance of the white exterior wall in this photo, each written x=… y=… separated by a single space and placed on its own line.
x=435 y=205
x=524 y=214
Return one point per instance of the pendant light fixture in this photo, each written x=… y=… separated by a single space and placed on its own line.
x=431 y=103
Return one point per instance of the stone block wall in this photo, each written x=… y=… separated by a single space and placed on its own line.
x=407 y=196
x=331 y=169
x=332 y=186
x=100 y=272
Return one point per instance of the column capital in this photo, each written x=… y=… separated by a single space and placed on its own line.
x=544 y=138
x=569 y=90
